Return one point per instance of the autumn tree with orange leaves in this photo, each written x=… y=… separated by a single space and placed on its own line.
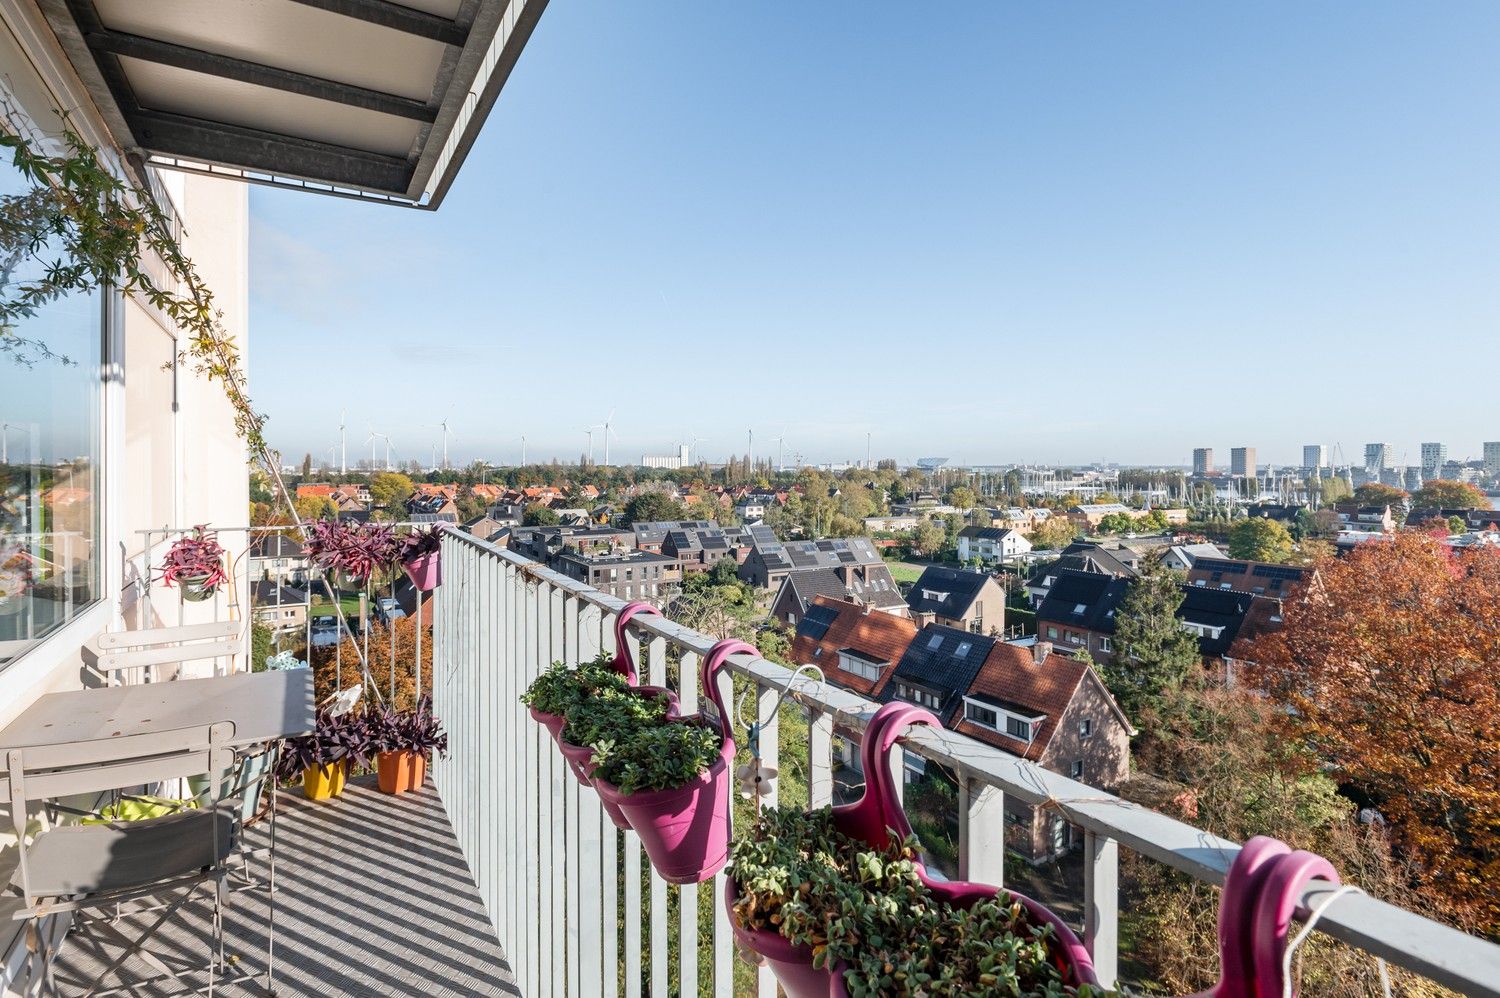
x=1391 y=673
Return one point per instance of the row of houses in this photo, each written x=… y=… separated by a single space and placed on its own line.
x=1032 y=701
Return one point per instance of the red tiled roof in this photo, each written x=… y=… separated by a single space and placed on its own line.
x=1010 y=674
x=879 y=635
x=321 y=491
x=486 y=491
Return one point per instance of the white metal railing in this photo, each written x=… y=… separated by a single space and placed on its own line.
x=551 y=867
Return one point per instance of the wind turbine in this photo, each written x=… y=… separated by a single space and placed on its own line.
x=609 y=431
x=590 y=431
x=444 y=425
x=523 y=450
x=387 y=439
x=781 y=451
x=343 y=445
x=371 y=441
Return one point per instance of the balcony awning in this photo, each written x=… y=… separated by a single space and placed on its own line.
x=371 y=99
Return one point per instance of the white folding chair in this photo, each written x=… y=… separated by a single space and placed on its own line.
x=160 y=652
x=87 y=868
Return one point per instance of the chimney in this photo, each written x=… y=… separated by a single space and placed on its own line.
x=1040 y=651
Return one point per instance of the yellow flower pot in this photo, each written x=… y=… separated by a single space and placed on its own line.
x=323 y=782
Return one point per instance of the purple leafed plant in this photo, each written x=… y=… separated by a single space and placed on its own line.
x=345 y=738
x=419 y=542
x=407 y=731
x=358 y=550
x=197 y=558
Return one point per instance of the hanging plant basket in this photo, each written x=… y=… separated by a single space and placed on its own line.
x=422 y=558
x=878 y=820
x=196 y=588
x=684 y=827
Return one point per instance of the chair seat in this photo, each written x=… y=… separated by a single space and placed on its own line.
x=90 y=859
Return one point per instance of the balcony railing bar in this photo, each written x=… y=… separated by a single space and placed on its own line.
x=1449 y=957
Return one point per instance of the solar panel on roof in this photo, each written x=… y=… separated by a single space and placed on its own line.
x=847 y=558
x=816 y=621
x=825 y=545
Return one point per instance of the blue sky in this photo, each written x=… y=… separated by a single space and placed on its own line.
x=998 y=232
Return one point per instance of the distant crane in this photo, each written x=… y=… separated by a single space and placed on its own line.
x=693 y=445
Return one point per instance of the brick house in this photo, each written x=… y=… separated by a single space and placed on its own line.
x=627 y=575
x=1079 y=611
x=969 y=601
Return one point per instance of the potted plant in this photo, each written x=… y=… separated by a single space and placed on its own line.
x=558 y=688
x=837 y=901
x=323 y=757
x=196 y=563
x=670 y=781
x=421 y=557
x=352 y=551
x=603 y=720
x=402 y=741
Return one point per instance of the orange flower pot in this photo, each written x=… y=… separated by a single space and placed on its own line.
x=400 y=772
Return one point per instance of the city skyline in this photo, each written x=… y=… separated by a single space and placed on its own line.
x=1267 y=213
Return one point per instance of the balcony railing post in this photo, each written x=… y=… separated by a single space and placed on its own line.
x=981 y=832
x=820 y=758
x=555 y=774
x=1101 y=892
x=656 y=675
x=770 y=751
x=687 y=896
x=609 y=864
x=571 y=794
x=590 y=844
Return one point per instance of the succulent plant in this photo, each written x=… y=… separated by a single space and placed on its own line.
x=197 y=558
x=560 y=687
x=866 y=908
x=658 y=756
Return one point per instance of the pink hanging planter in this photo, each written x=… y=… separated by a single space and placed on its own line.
x=552 y=722
x=425 y=571
x=685 y=830
x=872 y=819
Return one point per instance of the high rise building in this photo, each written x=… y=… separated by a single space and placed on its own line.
x=1315 y=456
x=1242 y=461
x=1492 y=457
x=1377 y=459
x=1434 y=456
x=1203 y=460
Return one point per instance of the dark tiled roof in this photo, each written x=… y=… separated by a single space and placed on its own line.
x=942 y=660
x=1222 y=608
x=277 y=545
x=987 y=533
x=269 y=594
x=945 y=592
x=1084 y=599
x=1247 y=576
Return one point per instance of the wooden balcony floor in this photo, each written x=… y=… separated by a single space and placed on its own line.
x=373 y=898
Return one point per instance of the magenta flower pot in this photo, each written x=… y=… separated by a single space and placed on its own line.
x=792 y=965
x=425 y=570
x=552 y=722
x=580 y=760
x=685 y=830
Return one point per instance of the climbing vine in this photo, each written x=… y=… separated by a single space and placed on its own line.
x=88 y=228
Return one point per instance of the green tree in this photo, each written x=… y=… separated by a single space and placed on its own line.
x=1260 y=539
x=1153 y=656
x=1445 y=493
x=389 y=489
x=1456 y=525
x=1376 y=494
x=962 y=496
x=1053 y=532
x=927 y=539
x=1154 y=521
x=644 y=507
x=1116 y=523
x=537 y=515
x=1334 y=490
x=315 y=508
x=306 y=466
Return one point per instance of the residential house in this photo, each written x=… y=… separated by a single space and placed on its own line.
x=861 y=585
x=770 y=559
x=278 y=557
x=282 y=608
x=1079 y=611
x=855 y=646
x=650 y=535
x=1365 y=519
x=701 y=548
x=892 y=524
x=1180 y=557
x=1055 y=711
x=1476 y=520
x=543 y=544
x=937 y=669
x=992 y=545
x=1255 y=577
x=969 y=601
x=431 y=507
x=1088 y=515
x=1084 y=556
x=487 y=493
x=487 y=528
x=627 y=575
x=750 y=510
x=315 y=490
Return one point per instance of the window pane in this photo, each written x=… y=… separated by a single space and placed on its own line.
x=49 y=453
